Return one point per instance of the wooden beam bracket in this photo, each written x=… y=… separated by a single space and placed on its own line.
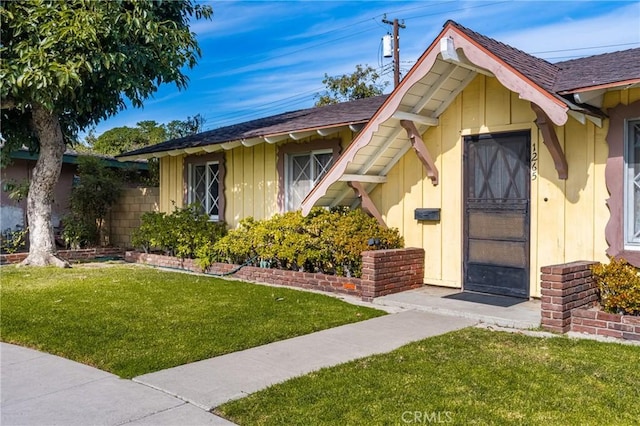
x=366 y=202
x=550 y=139
x=421 y=150
x=363 y=178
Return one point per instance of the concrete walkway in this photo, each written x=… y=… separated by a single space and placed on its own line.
x=212 y=382
x=496 y=310
x=42 y=389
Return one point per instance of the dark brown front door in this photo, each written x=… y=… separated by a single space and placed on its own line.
x=496 y=214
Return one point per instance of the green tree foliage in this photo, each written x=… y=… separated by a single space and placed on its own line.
x=118 y=140
x=362 y=83
x=67 y=64
x=180 y=128
x=122 y=139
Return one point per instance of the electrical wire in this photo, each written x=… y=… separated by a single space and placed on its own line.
x=270 y=108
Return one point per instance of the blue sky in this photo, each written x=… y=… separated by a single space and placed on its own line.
x=261 y=58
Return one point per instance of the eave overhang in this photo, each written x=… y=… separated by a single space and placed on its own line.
x=450 y=63
x=204 y=147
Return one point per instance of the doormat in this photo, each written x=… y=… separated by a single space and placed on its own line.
x=485 y=299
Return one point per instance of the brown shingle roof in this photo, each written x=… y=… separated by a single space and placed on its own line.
x=538 y=70
x=345 y=113
x=552 y=78
x=598 y=70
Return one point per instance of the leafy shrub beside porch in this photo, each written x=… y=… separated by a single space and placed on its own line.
x=326 y=241
x=619 y=287
x=179 y=234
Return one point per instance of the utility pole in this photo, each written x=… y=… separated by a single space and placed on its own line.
x=396 y=48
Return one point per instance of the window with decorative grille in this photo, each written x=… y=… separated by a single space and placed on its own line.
x=303 y=172
x=204 y=187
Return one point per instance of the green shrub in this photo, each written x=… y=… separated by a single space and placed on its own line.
x=152 y=232
x=180 y=233
x=324 y=241
x=76 y=233
x=13 y=241
x=98 y=189
x=619 y=286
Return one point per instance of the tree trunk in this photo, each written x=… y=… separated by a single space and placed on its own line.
x=42 y=248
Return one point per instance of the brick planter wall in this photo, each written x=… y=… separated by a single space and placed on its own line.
x=568 y=297
x=600 y=323
x=563 y=288
x=391 y=271
x=387 y=271
x=82 y=254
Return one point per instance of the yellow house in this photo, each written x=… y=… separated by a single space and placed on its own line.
x=498 y=163
x=494 y=161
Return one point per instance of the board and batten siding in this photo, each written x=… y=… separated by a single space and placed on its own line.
x=568 y=217
x=171 y=187
x=251 y=180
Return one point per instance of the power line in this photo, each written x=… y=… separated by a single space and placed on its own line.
x=258 y=112
x=585 y=48
x=456 y=10
x=300 y=98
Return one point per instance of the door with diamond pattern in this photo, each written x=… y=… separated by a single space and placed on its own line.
x=496 y=214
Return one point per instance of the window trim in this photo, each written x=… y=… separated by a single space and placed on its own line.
x=203 y=160
x=615 y=181
x=287 y=169
x=327 y=145
x=629 y=200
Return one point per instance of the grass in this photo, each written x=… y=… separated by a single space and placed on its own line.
x=472 y=376
x=132 y=320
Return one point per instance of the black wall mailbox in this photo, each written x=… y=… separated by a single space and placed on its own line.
x=432 y=215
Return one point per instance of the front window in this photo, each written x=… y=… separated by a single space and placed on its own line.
x=632 y=185
x=204 y=187
x=303 y=172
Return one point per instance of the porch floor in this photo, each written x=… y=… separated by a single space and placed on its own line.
x=485 y=308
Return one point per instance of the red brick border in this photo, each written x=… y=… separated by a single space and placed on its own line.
x=391 y=271
x=383 y=272
x=82 y=254
x=600 y=323
x=568 y=297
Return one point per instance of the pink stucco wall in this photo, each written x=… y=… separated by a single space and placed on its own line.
x=13 y=213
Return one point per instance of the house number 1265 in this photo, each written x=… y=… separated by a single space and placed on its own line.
x=534 y=161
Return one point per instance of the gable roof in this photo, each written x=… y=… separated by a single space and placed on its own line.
x=449 y=64
x=538 y=70
x=296 y=124
x=566 y=76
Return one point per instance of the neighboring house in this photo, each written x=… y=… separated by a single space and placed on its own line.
x=494 y=161
x=257 y=168
x=19 y=171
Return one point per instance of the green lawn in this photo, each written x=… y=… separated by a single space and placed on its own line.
x=472 y=376
x=132 y=320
